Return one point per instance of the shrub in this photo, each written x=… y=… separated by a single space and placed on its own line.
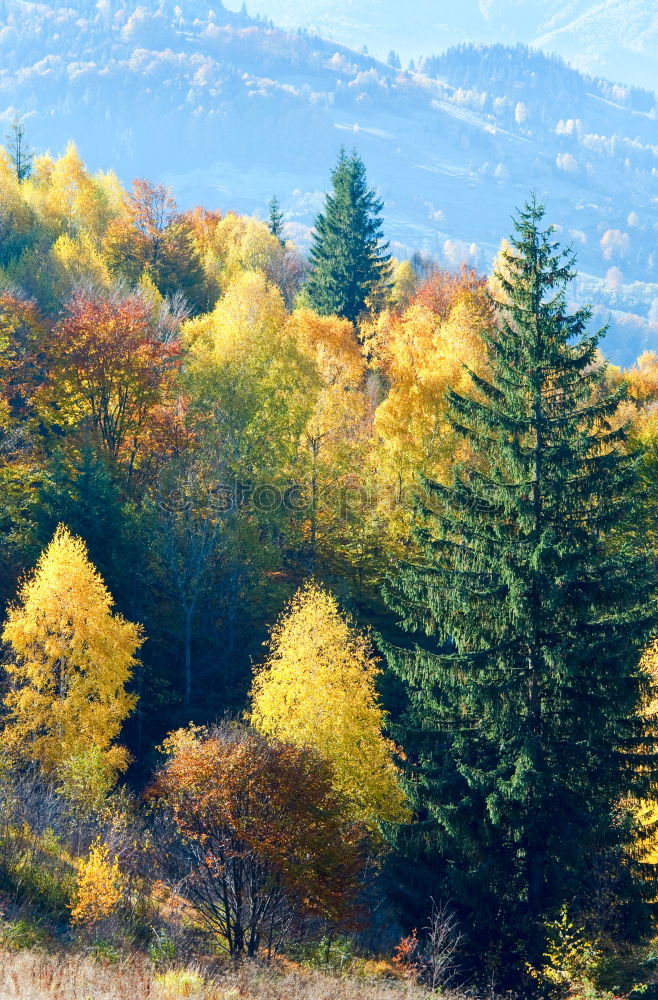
x=100 y=886
x=162 y=950
x=571 y=963
x=22 y=934
x=254 y=831
x=104 y=952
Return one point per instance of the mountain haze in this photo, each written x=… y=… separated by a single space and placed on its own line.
x=230 y=110
x=613 y=38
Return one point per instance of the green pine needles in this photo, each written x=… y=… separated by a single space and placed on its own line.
x=350 y=263
x=522 y=717
x=276 y=220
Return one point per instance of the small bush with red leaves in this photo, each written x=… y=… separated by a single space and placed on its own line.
x=253 y=834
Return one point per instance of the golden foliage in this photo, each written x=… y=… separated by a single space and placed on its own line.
x=645 y=811
x=317 y=689
x=642 y=378
x=68 y=198
x=422 y=358
x=70 y=660
x=421 y=354
x=571 y=962
x=100 y=886
x=251 y=311
x=404 y=284
x=78 y=259
x=251 y=385
x=338 y=430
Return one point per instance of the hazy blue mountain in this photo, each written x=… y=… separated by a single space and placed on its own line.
x=230 y=111
x=614 y=38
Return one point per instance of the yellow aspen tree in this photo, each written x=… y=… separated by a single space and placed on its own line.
x=241 y=243
x=17 y=218
x=317 y=689
x=71 y=201
x=251 y=387
x=100 y=886
x=645 y=811
x=423 y=357
x=337 y=432
x=77 y=259
x=70 y=660
x=642 y=378
x=404 y=284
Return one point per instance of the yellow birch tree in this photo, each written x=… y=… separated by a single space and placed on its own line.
x=70 y=660
x=317 y=689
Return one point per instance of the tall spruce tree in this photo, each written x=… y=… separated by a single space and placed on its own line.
x=535 y=605
x=349 y=257
x=20 y=154
x=275 y=221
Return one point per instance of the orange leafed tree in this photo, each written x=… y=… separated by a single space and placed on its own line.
x=151 y=237
x=333 y=439
x=258 y=832
x=137 y=240
x=440 y=290
x=422 y=356
x=108 y=370
x=21 y=331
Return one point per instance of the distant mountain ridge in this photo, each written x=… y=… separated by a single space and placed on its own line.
x=617 y=39
x=231 y=110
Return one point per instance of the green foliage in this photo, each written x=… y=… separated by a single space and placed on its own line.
x=85 y=780
x=349 y=258
x=23 y=934
x=19 y=151
x=37 y=872
x=331 y=951
x=162 y=951
x=209 y=465
x=535 y=608
x=275 y=221
x=104 y=952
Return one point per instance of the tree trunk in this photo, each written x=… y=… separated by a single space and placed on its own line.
x=189 y=611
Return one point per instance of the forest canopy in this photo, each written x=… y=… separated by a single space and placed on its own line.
x=328 y=584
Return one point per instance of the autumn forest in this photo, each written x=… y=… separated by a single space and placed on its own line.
x=329 y=587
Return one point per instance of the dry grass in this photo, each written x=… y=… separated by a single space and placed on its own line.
x=35 y=976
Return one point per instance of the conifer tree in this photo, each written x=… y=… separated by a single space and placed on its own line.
x=522 y=716
x=349 y=258
x=275 y=221
x=19 y=152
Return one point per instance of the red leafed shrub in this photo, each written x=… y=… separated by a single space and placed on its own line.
x=252 y=832
x=407 y=955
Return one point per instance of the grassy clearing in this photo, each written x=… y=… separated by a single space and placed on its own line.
x=33 y=975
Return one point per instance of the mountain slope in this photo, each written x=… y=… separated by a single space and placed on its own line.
x=229 y=111
x=614 y=38
x=618 y=38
